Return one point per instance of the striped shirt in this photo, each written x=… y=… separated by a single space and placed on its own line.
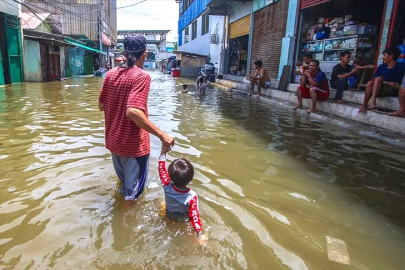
x=124 y=88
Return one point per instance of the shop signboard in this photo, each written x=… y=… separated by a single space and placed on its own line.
x=105 y=39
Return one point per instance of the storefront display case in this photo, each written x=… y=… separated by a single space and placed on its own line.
x=328 y=50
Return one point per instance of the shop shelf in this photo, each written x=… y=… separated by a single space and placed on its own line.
x=331 y=50
x=312 y=51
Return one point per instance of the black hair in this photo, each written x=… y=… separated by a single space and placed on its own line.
x=132 y=57
x=316 y=61
x=394 y=51
x=344 y=53
x=184 y=86
x=307 y=55
x=259 y=63
x=181 y=172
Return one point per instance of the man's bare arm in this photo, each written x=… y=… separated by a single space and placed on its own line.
x=101 y=106
x=139 y=118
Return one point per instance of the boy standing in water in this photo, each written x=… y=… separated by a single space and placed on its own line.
x=181 y=201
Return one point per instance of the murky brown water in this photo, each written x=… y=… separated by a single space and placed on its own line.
x=276 y=189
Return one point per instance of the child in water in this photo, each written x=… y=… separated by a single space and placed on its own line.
x=185 y=89
x=201 y=85
x=181 y=201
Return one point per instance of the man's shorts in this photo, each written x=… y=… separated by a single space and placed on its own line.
x=403 y=83
x=387 y=91
x=267 y=85
x=322 y=94
x=132 y=172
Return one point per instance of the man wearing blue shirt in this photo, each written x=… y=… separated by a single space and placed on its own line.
x=317 y=90
x=387 y=79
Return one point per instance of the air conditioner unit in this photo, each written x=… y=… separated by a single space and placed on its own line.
x=214 y=38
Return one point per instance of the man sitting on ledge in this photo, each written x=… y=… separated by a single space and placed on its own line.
x=261 y=79
x=387 y=79
x=401 y=111
x=318 y=87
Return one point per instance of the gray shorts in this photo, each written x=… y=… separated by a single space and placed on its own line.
x=132 y=172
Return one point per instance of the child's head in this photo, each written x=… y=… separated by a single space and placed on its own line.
x=181 y=172
x=357 y=61
x=184 y=86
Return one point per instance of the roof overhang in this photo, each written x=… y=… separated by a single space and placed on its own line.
x=220 y=7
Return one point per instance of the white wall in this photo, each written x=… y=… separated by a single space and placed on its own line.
x=239 y=10
x=9 y=7
x=216 y=49
x=200 y=45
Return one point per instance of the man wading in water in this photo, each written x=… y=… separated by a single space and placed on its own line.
x=123 y=99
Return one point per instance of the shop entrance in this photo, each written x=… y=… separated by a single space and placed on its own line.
x=238 y=55
x=397 y=32
x=341 y=25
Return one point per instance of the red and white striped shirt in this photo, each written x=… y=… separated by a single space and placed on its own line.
x=124 y=88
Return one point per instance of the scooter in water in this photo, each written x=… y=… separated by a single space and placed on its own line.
x=204 y=76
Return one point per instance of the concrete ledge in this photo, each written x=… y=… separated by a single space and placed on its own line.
x=347 y=111
x=357 y=97
x=388 y=137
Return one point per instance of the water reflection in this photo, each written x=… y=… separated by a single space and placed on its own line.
x=277 y=191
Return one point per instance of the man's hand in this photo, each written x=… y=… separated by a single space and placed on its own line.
x=340 y=76
x=393 y=84
x=166 y=139
x=202 y=238
x=165 y=149
x=308 y=73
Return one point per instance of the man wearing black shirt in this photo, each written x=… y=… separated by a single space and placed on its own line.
x=340 y=74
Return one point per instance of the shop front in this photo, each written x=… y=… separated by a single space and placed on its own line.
x=239 y=46
x=269 y=27
x=329 y=27
x=11 y=60
x=397 y=30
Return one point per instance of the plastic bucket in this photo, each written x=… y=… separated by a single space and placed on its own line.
x=175 y=73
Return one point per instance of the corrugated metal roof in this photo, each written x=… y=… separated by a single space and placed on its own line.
x=31 y=21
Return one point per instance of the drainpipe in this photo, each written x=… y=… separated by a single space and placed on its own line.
x=100 y=3
x=221 y=59
x=249 y=58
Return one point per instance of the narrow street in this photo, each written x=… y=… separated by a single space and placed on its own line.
x=277 y=191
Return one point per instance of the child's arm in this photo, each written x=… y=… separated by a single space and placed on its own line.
x=195 y=215
x=164 y=176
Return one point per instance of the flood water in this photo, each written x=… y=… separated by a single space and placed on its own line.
x=276 y=190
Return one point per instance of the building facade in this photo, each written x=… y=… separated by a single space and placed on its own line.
x=156 y=45
x=11 y=55
x=92 y=22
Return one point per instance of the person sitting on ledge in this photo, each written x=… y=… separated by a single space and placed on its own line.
x=318 y=87
x=401 y=97
x=307 y=58
x=387 y=79
x=261 y=79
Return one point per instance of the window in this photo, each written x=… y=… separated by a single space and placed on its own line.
x=186 y=35
x=205 y=25
x=194 y=30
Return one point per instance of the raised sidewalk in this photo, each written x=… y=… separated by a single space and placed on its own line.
x=369 y=124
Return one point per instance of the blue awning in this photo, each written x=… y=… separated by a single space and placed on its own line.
x=83 y=46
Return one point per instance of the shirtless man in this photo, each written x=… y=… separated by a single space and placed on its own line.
x=261 y=79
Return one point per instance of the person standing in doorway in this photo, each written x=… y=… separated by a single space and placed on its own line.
x=123 y=99
x=261 y=79
x=340 y=75
x=318 y=87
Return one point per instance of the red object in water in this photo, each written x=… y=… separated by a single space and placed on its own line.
x=175 y=73
x=53 y=77
x=120 y=58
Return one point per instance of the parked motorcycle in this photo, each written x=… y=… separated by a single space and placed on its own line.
x=206 y=71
